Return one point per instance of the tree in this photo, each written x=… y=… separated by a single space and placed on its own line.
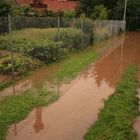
x=4 y=8
x=115 y=10
x=86 y=6
x=111 y=6
x=132 y=14
x=17 y=11
x=99 y=12
x=69 y=14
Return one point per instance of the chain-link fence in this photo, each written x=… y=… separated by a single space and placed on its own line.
x=18 y=23
x=31 y=41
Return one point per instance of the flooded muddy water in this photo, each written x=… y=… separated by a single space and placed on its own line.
x=78 y=108
x=3 y=78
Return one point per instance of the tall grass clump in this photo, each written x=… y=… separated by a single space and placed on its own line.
x=115 y=120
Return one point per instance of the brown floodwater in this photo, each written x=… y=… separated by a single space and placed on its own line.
x=3 y=78
x=78 y=108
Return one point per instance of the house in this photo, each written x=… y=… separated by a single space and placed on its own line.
x=50 y=5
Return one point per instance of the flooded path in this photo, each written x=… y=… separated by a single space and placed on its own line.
x=78 y=108
x=43 y=75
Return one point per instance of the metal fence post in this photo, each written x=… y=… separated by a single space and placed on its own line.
x=116 y=31
x=11 y=45
x=81 y=21
x=111 y=27
x=58 y=26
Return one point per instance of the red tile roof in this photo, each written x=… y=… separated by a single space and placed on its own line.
x=23 y=2
x=53 y=5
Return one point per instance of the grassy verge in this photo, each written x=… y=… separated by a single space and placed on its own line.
x=115 y=120
x=76 y=62
x=15 y=108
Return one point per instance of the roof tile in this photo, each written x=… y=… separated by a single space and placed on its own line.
x=53 y=5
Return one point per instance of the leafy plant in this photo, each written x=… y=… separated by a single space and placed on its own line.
x=20 y=64
x=47 y=51
x=99 y=12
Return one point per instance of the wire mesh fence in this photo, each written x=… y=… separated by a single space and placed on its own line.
x=45 y=39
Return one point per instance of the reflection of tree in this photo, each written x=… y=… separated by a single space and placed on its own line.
x=15 y=127
x=109 y=68
x=38 y=124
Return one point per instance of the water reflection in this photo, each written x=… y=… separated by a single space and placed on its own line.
x=15 y=129
x=110 y=67
x=38 y=126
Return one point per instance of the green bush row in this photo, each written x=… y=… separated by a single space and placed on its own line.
x=67 y=40
x=47 y=52
x=47 y=45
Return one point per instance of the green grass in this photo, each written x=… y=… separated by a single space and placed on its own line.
x=27 y=37
x=30 y=34
x=115 y=121
x=15 y=108
x=76 y=62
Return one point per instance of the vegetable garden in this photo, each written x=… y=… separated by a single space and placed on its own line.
x=35 y=43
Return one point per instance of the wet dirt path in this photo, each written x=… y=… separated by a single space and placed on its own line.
x=78 y=108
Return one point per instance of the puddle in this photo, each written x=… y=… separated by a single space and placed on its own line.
x=78 y=108
x=4 y=53
x=3 y=78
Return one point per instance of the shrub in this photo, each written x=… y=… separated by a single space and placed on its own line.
x=69 y=14
x=4 y=8
x=21 y=65
x=50 y=50
x=43 y=44
x=100 y=12
x=73 y=39
x=86 y=25
x=47 y=51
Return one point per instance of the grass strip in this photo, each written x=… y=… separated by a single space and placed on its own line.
x=75 y=63
x=115 y=121
x=16 y=107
